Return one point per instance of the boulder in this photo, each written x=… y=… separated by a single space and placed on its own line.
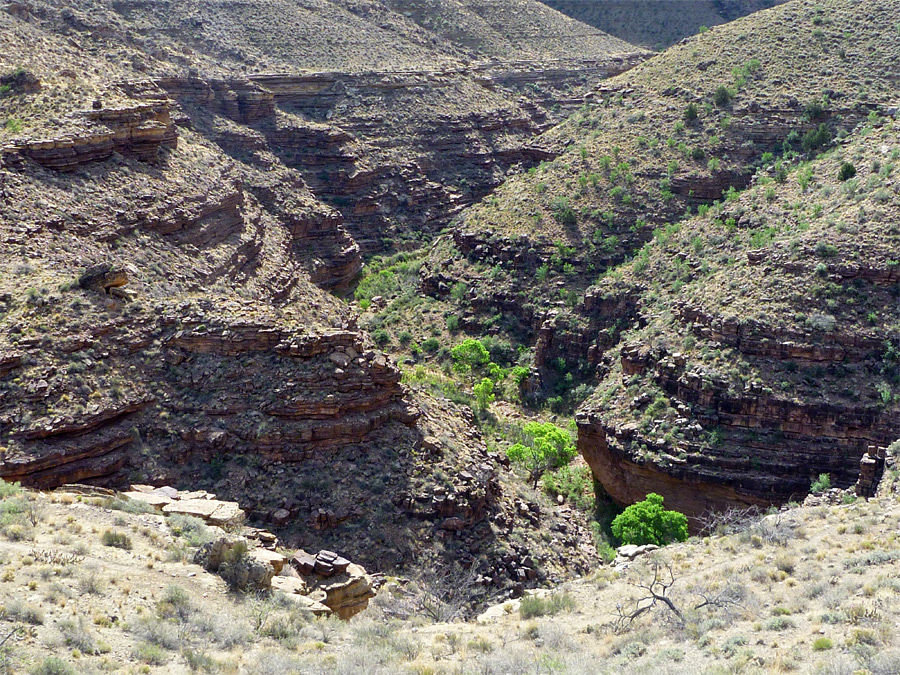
x=289 y=585
x=267 y=557
x=103 y=276
x=303 y=562
x=348 y=593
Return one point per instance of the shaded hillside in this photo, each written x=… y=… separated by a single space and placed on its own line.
x=657 y=24
x=689 y=127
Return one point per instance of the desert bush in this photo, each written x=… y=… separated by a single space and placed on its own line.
x=647 y=522
x=116 y=539
x=90 y=581
x=53 y=666
x=77 y=635
x=822 y=483
x=575 y=483
x=155 y=631
x=785 y=562
x=723 y=96
x=691 y=113
x=127 y=505
x=815 y=139
x=274 y=663
x=192 y=529
x=846 y=172
x=822 y=644
x=151 y=654
x=175 y=604
x=19 y=610
x=532 y=606
x=780 y=623
x=9 y=489
x=886 y=662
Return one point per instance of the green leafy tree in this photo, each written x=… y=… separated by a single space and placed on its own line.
x=469 y=354
x=647 y=522
x=546 y=446
x=484 y=393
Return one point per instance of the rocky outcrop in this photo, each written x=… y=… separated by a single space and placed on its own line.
x=769 y=448
x=70 y=450
x=333 y=581
x=138 y=130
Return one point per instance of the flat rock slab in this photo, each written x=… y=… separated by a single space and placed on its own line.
x=199 y=508
x=211 y=510
x=155 y=500
x=290 y=585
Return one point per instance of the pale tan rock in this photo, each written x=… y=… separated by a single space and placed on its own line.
x=226 y=513
x=154 y=500
x=307 y=603
x=199 y=508
x=289 y=585
x=276 y=560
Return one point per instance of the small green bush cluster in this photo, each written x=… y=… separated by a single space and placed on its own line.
x=532 y=606
x=822 y=483
x=116 y=539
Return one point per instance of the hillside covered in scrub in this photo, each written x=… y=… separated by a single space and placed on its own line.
x=409 y=336
x=808 y=590
x=753 y=346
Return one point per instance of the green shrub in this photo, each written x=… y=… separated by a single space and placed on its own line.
x=723 y=96
x=822 y=644
x=381 y=337
x=469 y=354
x=563 y=212
x=9 y=489
x=53 y=666
x=532 y=606
x=431 y=344
x=691 y=112
x=815 y=139
x=116 y=539
x=647 y=522
x=484 y=393
x=822 y=483
x=575 y=483
x=846 y=172
x=192 y=529
x=152 y=655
